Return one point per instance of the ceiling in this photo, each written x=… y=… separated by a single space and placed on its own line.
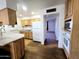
x=35 y=5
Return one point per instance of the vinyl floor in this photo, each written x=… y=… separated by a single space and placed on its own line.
x=34 y=50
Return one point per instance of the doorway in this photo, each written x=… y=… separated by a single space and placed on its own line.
x=51 y=29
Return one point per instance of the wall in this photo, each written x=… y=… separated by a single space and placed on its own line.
x=50 y=33
x=51 y=19
x=8 y=3
x=60 y=23
x=19 y=21
x=12 y=4
x=57 y=27
x=51 y=25
x=3 y=4
x=36 y=5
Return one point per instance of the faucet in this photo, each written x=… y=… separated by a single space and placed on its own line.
x=1 y=32
x=2 y=28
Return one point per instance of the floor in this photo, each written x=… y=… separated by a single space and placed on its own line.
x=34 y=50
x=50 y=38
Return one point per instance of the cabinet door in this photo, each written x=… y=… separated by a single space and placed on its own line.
x=69 y=8
x=8 y=16
x=4 y=16
x=29 y=22
x=30 y=34
x=12 y=16
x=25 y=35
x=17 y=49
x=22 y=47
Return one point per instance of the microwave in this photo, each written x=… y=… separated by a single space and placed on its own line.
x=68 y=24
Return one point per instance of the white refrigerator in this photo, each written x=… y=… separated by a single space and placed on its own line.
x=37 y=31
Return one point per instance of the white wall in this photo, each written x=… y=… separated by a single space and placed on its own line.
x=18 y=21
x=3 y=4
x=8 y=3
x=57 y=27
x=36 y=5
x=60 y=23
x=12 y=4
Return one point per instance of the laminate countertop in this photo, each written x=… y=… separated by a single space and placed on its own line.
x=7 y=38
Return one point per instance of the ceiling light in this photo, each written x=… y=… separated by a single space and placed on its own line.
x=24 y=8
x=33 y=13
x=20 y=15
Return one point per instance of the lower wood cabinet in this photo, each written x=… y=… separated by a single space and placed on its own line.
x=27 y=35
x=17 y=49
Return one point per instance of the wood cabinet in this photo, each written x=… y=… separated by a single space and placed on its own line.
x=30 y=35
x=17 y=49
x=12 y=17
x=4 y=16
x=26 y=22
x=8 y=16
x=74 y=41
x=68 y=8
x=27 y=35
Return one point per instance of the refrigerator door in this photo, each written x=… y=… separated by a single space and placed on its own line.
x=37 y=30
x=37 y=35
x=36 y=25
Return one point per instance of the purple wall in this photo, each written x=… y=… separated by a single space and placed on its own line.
x=50 y=36
x=51 y=25
x=51 y=29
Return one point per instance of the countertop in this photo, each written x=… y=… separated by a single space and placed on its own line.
x=7 y=38
x=26 y=29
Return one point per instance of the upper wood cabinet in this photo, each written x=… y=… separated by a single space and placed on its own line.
x=4 y=16
x=12 y=16
x=8 y=16
x=26 y=22
x=68 y=8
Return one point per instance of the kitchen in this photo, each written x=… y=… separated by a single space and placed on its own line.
x=7 y=17
x=14 y=30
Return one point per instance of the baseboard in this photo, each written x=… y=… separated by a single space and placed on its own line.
x=36 y=41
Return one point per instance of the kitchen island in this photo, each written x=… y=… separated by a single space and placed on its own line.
x=14 y=43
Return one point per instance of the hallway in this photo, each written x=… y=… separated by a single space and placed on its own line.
x=36 y=51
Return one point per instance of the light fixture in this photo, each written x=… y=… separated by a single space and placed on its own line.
x=20 y=15
x=24 y=8
x=33 y=13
